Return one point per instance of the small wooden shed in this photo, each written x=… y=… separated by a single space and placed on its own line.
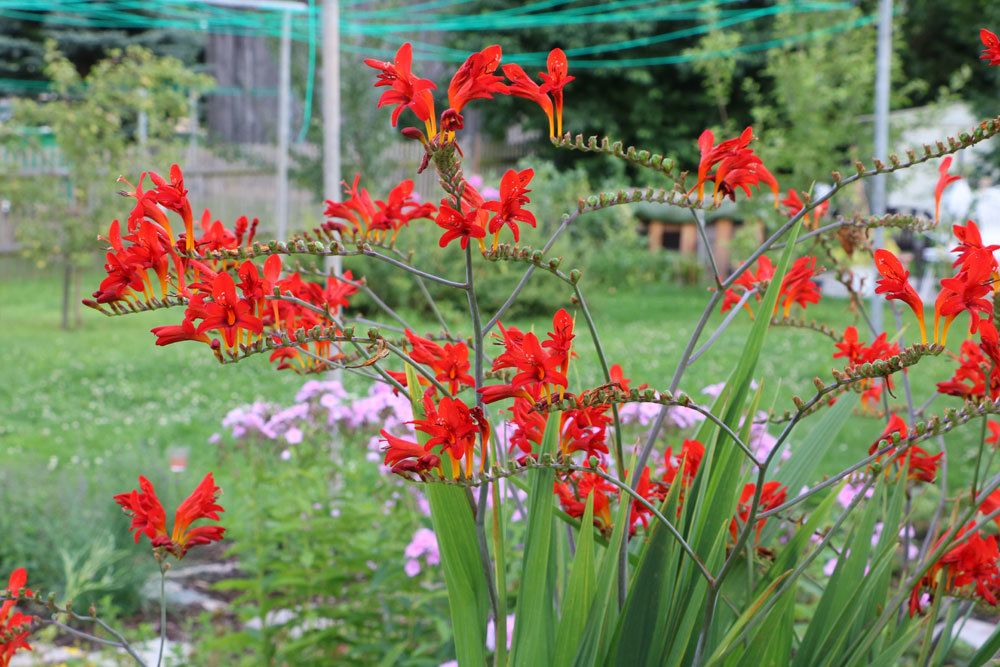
x=668 y=227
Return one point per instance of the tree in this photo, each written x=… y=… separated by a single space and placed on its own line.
x=94 y=121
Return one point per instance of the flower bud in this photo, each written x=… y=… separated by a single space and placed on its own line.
x=574 y=276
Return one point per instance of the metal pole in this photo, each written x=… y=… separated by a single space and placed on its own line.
x=883 y=69
x=142 y=129
x=284 y=131
x=331 y=108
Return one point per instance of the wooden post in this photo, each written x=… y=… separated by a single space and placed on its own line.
x=655 y=236
x=723 y=240
x=689 y=240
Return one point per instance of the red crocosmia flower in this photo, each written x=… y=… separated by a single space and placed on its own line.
x=453 y=426
x=536 y=367
x=229 y=314
x=405 y=457
x=747 y=281
x=357 y=208
x=991 y=504
x=573 y=493
x=559 y=342
x=522 y=85
x=471 y=225
x=652 y=493
x=689 y=459
x=172 y=195
x=944 y=180
x=175 y=333
x=400 y=207
x=994 y=427
x=509 y=211
x=856 y=352
x=974 y=561
x=14 y=626
x=793 y=205
x=406 y=90
x=450 y=361
x=921 y=466
x=618 y=378
x=798 y=286
x=149 y=519
x=476 y=79
x=991 y=54
x=772 y=495
x=964 y=292
x=969 y=380
x=555 y=79
x=735 y=164
x=972 y=254
x=895 y=284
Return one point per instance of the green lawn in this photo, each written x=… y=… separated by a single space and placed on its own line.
x=105 y=391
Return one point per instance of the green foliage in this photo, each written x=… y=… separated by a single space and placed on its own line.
x=93 y=121
x=320 y=539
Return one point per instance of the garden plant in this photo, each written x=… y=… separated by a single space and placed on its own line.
x=701 y=552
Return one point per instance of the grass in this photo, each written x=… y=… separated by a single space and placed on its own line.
x=104 y=391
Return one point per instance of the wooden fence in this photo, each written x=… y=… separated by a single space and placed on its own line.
x=237 y=180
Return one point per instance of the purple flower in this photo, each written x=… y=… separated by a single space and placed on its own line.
x=848 y=493
x=293 y=436
x=423 y=545
x=491 y=634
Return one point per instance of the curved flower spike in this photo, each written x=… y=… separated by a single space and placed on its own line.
x=895 y=284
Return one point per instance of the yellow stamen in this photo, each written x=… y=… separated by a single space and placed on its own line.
x=944 y=330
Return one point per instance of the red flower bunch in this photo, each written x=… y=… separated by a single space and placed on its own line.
x=452 y=427
x=406 y=90
x=965 y=292
x=895 y=284
x=969 y=379
x=974 y=561
x=549 y=95
x=541 y=367
x=735 y=167
x=149 y=519
x=380 y=220
x=509 y=209
x=991 y=54
x=475 y=79
x=574 y=489
x=920 y=465
x=688 y=459
x=856 y=352
x=450 y=362
x=461 y=226
x=793 y=205
x=14 y=626
x=747 y=281
x=797 y=287
x=772 y=495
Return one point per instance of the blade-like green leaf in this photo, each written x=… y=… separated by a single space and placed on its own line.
x=639 y=637
x=535 y=627
x=603 y=614
x=579 y=593
x=748 y=614
x=987 y=651
x=455 y=528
